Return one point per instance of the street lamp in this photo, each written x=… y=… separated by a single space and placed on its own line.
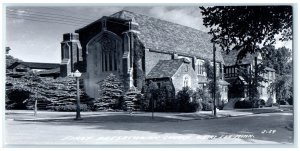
x=77 y=75
x=215 y=81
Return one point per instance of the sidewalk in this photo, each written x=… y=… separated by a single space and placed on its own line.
x=27 y=115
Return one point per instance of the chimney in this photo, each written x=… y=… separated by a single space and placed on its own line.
x=174 y=56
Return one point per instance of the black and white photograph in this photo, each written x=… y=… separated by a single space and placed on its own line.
x=115 y=75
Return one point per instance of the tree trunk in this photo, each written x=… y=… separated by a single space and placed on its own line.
x=35 y=107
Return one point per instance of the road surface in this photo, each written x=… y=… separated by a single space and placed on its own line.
x=267 y=128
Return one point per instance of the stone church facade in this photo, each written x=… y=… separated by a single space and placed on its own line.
x=138 y=48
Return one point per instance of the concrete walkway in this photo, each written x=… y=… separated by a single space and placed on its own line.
x=27 y=115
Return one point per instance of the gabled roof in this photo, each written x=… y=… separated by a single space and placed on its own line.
x=270 y=69
x=164 y=36
x=35 y=65
x=223 y=82
x=51 y=71
x=230 y=58
x=165 y=68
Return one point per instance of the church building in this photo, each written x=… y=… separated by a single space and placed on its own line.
x=138 y=48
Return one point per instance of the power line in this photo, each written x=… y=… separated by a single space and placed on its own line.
x=43 y=18
x=93 y=17
x=50 y=14
x=90 y=17
x=42 y=21
x=46 y=16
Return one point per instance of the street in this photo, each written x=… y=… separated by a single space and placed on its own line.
x=101 y=129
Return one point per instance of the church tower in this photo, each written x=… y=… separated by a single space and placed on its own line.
x=128 y=56
x=70 y=54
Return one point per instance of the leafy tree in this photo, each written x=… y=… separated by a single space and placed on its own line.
x=254 y=77
x=111 y=90
x=9 y=60
x=245 y=27
x=48 y=91
x=210 y=76
x=209 y=69
x=152 y=92
x=282 y=87
x=280 y=60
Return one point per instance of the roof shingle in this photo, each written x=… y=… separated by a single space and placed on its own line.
x=166 y=36
x=230 y=58
x=165 y=68
x=36 y=65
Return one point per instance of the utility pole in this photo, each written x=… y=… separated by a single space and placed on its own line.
x=215 y=79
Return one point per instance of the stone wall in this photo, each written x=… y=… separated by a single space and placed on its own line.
x=184 y=70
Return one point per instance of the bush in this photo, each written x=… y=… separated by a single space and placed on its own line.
x=243 y=104
x=131 y=100
x=163 y=97
x=166 y=100
x=269 y=102
x=207 y=105
x=221 y=106
x=16 y=98
x=284 y=102
x=70 y=108
x=259 y=103
x=145 y=103
x=290 y=100
x=186 y=102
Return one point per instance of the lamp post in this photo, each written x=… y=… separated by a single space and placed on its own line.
x=77 y=75
x=215 y=81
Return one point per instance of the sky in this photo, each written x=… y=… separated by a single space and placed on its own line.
x=34 y=33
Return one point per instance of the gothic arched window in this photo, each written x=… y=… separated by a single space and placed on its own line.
x=186 y=81
x=109 y=54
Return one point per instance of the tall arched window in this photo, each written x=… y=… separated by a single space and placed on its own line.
x=109 y=54
x=186 y=81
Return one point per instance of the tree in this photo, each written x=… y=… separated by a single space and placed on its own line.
x=10 y=60
x=32 y=91
x=281 y=60
x=254 y=78
x=282 y=87
x=111 y=90
x=153 y=93
x=245 y=27
x=131 y=100
x=209 y=69
x=210 y=76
